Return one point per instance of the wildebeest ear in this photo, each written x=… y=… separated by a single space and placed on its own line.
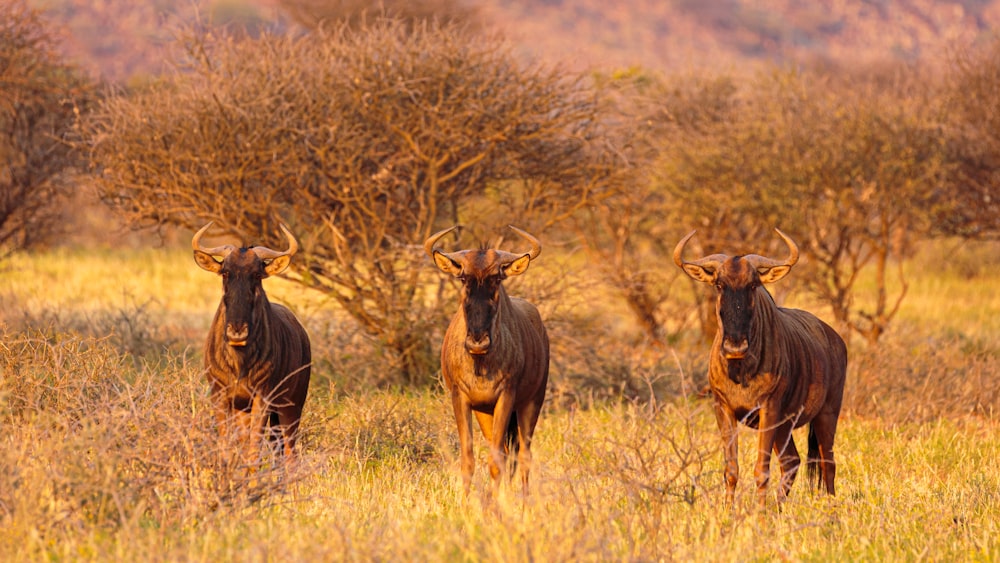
x=206 y=262
x=773 y=274
x=277 y=265
x=446 y=264
x=700 y=273
x=517 y=267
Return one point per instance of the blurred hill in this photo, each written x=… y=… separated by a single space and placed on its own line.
x=688 y=34
x=127 y=39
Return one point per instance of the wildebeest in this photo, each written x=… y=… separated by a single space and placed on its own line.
x=257 y=354
x=495 y=355
x=772 y=368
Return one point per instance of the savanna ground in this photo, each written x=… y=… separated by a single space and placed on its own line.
x=108 y=451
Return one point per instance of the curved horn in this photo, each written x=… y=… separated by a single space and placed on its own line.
x=536 y=247
x=679 y=249
x=430 y=242
x=763 y=262
x=713 y=261
x=265 y=253
x=223 y=250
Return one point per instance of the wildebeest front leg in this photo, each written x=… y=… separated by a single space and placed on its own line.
x=768 y=424
x=527 y=418
x=463 y=419
x=726 y=420
x=256 y=422
x=502 y=411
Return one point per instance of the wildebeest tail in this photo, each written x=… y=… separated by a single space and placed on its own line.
x=511 y=444
x=813 y=474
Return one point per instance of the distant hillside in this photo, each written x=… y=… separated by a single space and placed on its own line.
x=681 y=34
x=119 y=40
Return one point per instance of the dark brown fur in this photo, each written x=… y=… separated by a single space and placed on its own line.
x=784 y=368
x=503 y=386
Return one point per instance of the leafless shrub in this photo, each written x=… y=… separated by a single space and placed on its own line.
x=105 y=444
x=40 y=99
x=913 y=378
x=364 y=141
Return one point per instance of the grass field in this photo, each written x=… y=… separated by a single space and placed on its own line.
x=108 y=452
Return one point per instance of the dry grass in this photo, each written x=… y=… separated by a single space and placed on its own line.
x=108 y=451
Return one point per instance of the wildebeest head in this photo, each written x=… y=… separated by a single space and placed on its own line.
x=736 y=280
x=481 y=272
x=242 y=270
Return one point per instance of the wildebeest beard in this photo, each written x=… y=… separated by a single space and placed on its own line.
x=741 y=370
x=481 y=364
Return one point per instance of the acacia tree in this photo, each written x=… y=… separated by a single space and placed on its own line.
x=364 y=141
x=630 y=234
x=40 y=97
x=971 y=96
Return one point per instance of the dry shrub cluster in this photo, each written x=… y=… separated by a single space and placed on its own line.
x=364 y=142
x=93 y=442
x=920 y=379
x=40 y=99
x=133 y=328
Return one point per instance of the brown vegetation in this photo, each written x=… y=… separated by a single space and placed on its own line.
x=40 y=99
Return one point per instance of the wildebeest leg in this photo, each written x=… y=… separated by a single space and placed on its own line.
x=768 y=424
x=821 y=431
x=256 y=426
x=223 y=411
x=485 y=420
x=726 y=420
x=788 y=454
x=463 y=419
x=527 y=418
x=288 y=421
x=502 y=411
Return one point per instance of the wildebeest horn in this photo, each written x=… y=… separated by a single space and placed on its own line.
x=265 y=253
x=713 y=261
x=430 y=242
x=223 y=250
x=764 y=262
x=536 y=247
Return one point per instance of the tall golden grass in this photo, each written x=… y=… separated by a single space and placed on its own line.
x=108 y=450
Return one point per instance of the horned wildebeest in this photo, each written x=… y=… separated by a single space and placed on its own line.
x=257 y=355
x=772 y=368
x=495 y=355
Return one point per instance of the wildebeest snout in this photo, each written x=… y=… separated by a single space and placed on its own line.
x=477 y=343
x=237 y=333
x=734 y=349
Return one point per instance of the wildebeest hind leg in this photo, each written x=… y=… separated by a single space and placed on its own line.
x=288 y=423
x=821 y=465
